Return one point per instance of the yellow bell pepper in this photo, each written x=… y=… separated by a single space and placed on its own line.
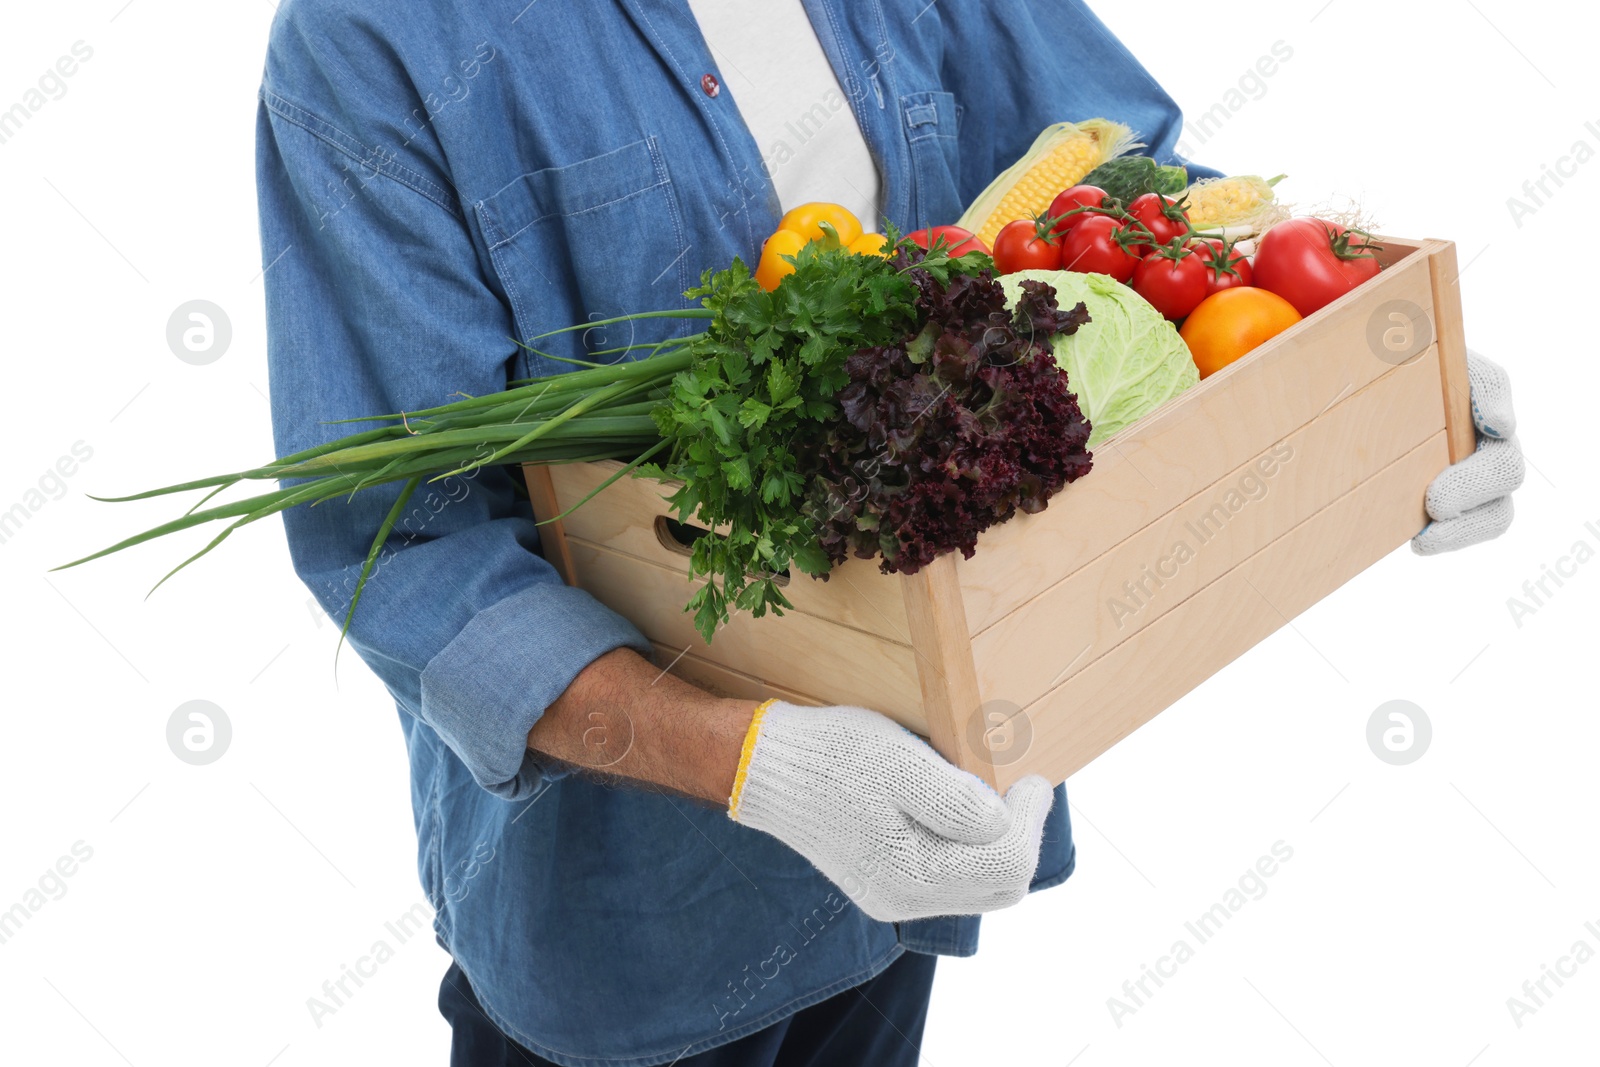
x=869 y=244
x=807 y=220
x=773 y=268
x=804 y=224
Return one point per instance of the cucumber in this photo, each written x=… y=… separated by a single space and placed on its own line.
x=1130 y=176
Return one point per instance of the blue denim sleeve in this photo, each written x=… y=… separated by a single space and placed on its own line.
x=377 y=302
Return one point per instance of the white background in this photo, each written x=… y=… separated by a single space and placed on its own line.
x=219 y=898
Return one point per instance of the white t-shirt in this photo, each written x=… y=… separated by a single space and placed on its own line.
x=789 y=97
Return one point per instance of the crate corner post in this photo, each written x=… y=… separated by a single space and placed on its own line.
x=946 y=670
x=1461 y=435
x=546 y=506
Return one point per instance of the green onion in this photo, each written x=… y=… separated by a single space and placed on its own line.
x=603 y=411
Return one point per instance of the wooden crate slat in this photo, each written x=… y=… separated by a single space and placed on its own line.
x=1153 y=466
x=623 y=519
x=796 y=651
x=1097 y=707
x=1072 y=624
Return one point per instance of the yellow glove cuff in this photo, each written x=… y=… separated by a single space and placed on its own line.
x=744 y=757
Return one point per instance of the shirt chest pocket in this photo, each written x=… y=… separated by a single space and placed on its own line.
x=588 y=241
x=931 y=120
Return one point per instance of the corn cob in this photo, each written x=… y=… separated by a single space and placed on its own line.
x=1058 y=159
x=1233 y=203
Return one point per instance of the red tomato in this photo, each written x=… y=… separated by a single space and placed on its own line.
x=1025 y=245
x=1225 y=268
x=1097 y=245
x=1076 y=197
x=1174 y=283
x=960 y=241
x=1161 y=216
x=1312 y=263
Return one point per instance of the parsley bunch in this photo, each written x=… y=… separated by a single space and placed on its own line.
x=764 y=375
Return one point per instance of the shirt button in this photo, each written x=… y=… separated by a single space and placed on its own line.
x=710 y=84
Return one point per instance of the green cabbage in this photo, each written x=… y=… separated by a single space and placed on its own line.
x=1126 y=361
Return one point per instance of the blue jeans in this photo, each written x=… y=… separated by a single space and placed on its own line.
x=875 y=1024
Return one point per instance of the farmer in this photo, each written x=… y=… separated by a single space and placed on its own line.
x=441 y=176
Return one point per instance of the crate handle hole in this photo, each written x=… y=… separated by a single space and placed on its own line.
x=679 y=538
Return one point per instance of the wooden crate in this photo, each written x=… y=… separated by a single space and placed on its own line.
x=1202 y=528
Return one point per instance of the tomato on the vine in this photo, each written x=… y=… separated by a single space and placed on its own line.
x=1311 y=263
x=1070 y=200
x=1099 y=245
x=1026 y=244
x=1163 y=216
x=1172 y=279
x=1226 y=268
x=958 y=241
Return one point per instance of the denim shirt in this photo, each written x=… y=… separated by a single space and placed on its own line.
x=441 y=176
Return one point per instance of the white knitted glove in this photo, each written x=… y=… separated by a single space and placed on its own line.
x=903 y=833
x=1470 y=501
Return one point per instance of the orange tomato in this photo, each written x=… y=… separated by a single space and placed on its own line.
x=773 y=268
x=869 y=244
x=807 y=219
x=1230 y=323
